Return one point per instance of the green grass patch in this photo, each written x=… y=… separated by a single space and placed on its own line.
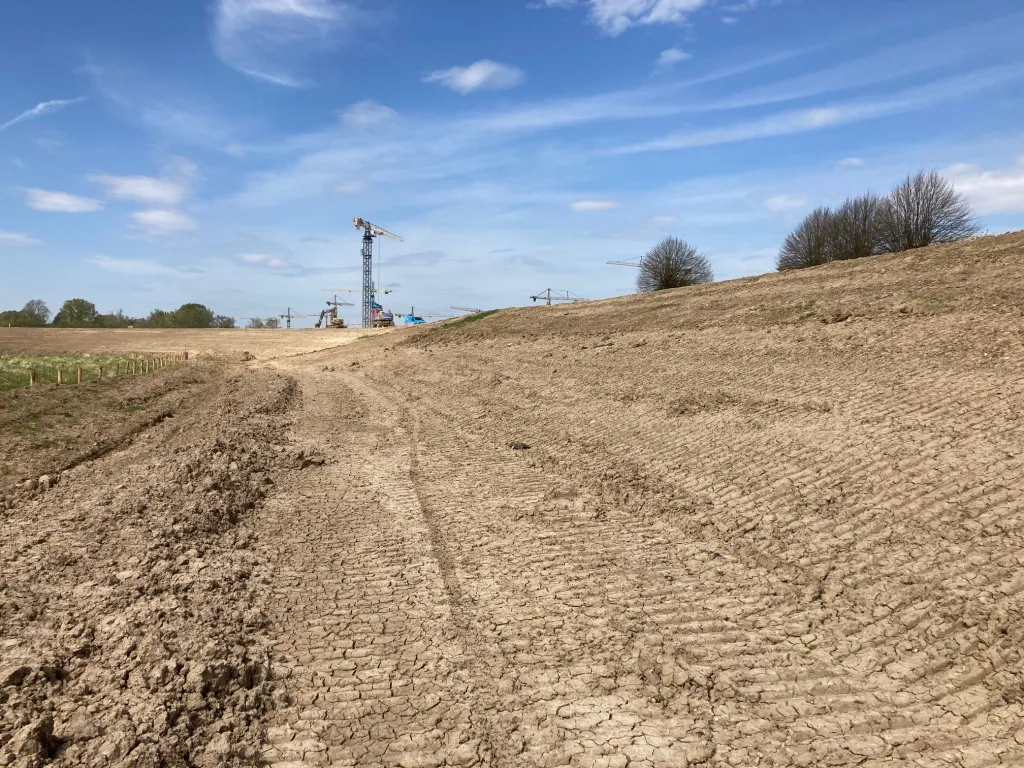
x=16 y=368
x=470 y=319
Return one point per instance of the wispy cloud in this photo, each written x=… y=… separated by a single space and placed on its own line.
x=267 y=260
x=616 y=16
x=17 y=239
x=39 y=110
x=672 y=56
x=137 y=266
x=781 y=203
x=999 y=191
x=817 y=118
x=170 y=190
x=589 y=206
x=367 y=112
x=60 y=202
x=481 y=75
x=851 y=162
x=262 y=38
x=159 y=222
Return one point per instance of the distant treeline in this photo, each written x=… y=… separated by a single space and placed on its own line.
x=79 y=313
x=922 y=210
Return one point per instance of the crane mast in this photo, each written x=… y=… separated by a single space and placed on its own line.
x=370 y=231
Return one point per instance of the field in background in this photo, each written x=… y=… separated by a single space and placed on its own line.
x=203 y=342
x=16 y=369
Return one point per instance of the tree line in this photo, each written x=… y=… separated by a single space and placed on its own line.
x=924 y=209
x=79 y=313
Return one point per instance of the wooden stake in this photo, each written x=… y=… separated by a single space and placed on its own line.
x=101 y=373
x=79 y=376
x=31 y=378
x=60 y=376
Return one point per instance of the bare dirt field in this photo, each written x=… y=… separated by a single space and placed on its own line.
x=777 y=521
x=222 y=342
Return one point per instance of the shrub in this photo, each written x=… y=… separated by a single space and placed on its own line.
x=673 y=263
x=809 y=244
x=922 y=210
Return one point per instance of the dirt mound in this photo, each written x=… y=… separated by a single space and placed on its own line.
x=130 y=621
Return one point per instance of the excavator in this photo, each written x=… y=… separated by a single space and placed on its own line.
x=331 y=319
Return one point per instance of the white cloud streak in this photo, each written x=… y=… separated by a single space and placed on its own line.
x=367 y=112
x=133 y=266
x=17 y=239
x=262 y=38
x=481 y=75
x=591 y=206
x=60 y=202
x=817 y=118
x=39 y=110
x=158 y=222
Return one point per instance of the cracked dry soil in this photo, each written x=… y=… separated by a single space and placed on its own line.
x=744 y=533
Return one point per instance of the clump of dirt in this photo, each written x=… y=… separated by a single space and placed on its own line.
x=701 y=402
x=130 y=617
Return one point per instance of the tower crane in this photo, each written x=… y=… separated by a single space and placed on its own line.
x=552 y=295
x=289 y=316
x=468 y=309
x=370 y=231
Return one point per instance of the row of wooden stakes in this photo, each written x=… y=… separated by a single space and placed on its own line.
x=131 y=368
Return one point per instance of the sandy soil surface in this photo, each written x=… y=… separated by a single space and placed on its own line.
x=230 y=342
x=778 y=521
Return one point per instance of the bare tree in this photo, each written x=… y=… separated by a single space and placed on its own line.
x=673 y=263
x=810 y=243
x=855 y=228
x=922 y=210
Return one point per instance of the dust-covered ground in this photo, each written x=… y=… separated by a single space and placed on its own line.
x=775 y=521
x=208 y=342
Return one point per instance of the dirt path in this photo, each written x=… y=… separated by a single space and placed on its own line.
x=444 y=599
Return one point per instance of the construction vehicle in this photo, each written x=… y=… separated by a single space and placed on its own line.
x=379 y=318
x=370 y=231
x=413 y=319
x=551 y=295
x=329 y=318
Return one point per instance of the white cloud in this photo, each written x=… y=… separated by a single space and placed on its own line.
x=781 y=203
x=60 y=202
x=817 y=118
x=616 y=16
x=260 y=38
x=664 y=221
x=367 y=112
x=132 y=266
x=672 y=56
x=143 y=189
x=484 y=74
x=353 y=187
x=16 y=239
x=265 y=260
x=850 y=162
x=729 y=20
x=588 y=206
x=159 y=222
x=43 y=108
x=1000 y=191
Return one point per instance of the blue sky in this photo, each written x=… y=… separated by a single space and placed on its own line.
x=158 y=152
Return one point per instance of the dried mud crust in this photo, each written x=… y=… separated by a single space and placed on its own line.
x=729 y=543
x=130 y=609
